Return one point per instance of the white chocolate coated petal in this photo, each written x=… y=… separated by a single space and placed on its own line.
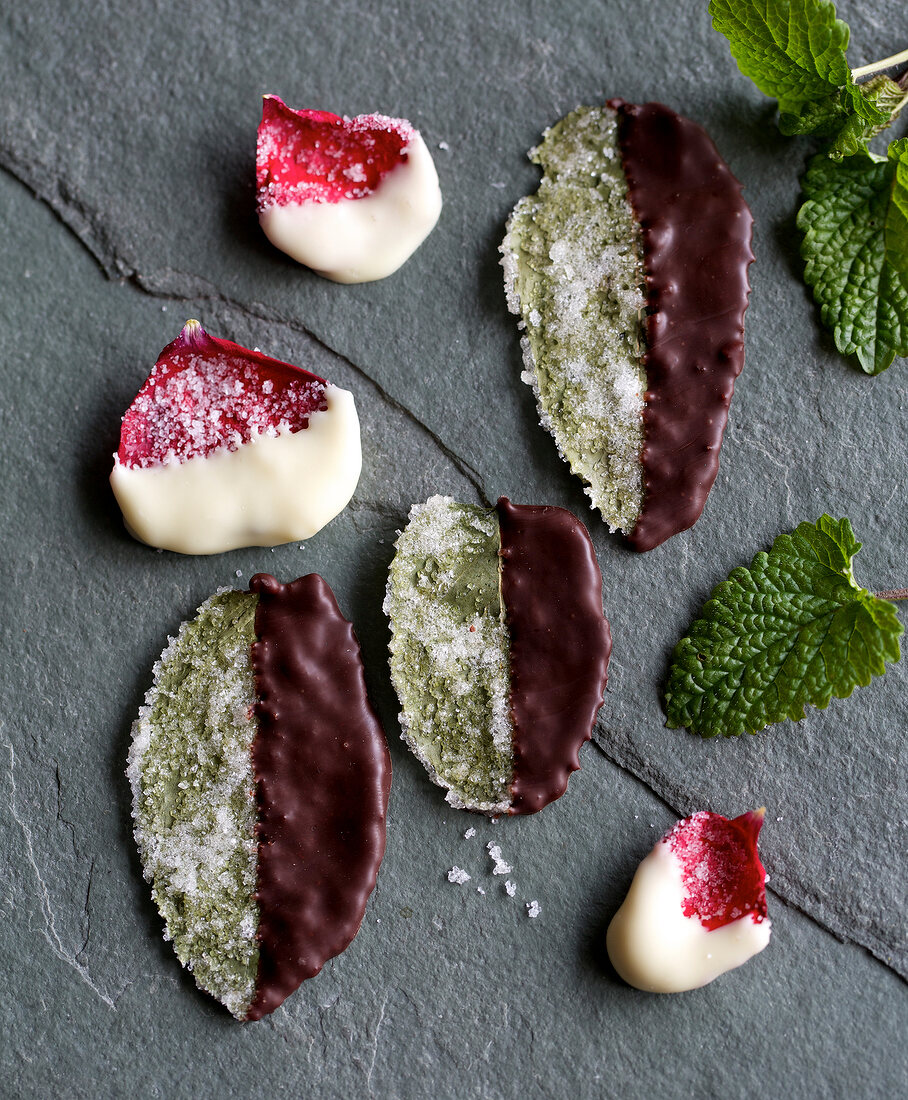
x=361 y=240
x=655 y=947
x=272 y=490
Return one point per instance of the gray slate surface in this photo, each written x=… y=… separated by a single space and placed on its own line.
x=136 y=126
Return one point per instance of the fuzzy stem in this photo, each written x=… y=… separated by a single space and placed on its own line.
x=878 y=66
x=892 y=594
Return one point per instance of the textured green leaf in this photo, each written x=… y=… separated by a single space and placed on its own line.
x=855 y=226
x=822 y=117
x=793 y=50
x=794 y=629
x=857 y=131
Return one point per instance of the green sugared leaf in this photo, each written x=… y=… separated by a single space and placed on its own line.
x=794 y=50
x=794 y=629
x=855 y=226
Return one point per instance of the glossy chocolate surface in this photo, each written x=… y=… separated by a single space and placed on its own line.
x=560 y=645
x=696 y=242
x=322 y=776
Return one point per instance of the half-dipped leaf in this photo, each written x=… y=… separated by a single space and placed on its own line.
x=260 y=779
x=499 y=649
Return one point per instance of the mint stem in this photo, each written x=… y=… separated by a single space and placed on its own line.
x=878 y=66
x=892 y=594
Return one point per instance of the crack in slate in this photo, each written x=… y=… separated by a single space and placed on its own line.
x=50 y=928
x=181 y=286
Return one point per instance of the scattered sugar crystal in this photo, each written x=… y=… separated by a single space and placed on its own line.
x=533 y=909
x=470 y=832
x=500 y=867
x=510 y=888
x=444 y=146
x=239 y=573
x=458 y=875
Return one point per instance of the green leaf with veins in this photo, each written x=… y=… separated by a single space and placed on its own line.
x=856 y=132
x=794 y=50
x=794 y=629
x=821 y=117
x=855 y=226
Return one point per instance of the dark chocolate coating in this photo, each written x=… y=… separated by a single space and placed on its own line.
x=696 y=244
x=560 y=644
x=323 y=775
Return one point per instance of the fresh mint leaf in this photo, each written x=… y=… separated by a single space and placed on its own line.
x=794 y=50
x=794 y=629
x=855 y=226
x=888 y=97
x=822 y=117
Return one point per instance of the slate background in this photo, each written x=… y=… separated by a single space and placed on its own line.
x=127 y=137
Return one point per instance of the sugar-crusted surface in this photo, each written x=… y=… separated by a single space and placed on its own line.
x=573 y=266
x=209 y=404
x=190 y=770
x=720 y=868
x=315 y=156
x=449 y=651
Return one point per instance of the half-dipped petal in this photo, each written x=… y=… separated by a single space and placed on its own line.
x=351 y=198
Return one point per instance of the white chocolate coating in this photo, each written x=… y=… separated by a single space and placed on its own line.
x=654 y=947
x=360 y=240
x=271 y=490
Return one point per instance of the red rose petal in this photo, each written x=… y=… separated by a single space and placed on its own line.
x=204 y=394
x=315 y=156
x=723 y=876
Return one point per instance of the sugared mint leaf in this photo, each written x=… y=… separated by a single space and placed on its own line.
x=855 y=226
x=792 y=630
x=793 y=50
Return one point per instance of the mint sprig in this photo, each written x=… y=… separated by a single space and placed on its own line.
x=793 y=50
x=856 y=238
x=855 y=226
x=792 y=630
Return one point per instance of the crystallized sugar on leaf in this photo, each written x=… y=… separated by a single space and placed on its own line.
x=533 y=909
x=458 y=875
x=449 y=651
x=573 y=264
x=190 y=770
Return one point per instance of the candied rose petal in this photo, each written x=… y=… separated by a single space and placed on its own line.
x=315 y=156
x=721 y=869
x=204 y=394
